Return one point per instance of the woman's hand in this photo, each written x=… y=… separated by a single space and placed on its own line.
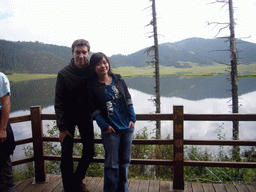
x=110 y=130
x=3 y=135
x=131 y=124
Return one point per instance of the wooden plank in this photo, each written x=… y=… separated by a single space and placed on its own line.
x=38 y=146
x=128 y=182
x=23 y=185
x=59 y=187
x=134 y=185
x=219 y=187
x=220 y=164
x=42 y=186
x=219 y=142
x=94 y=183
x=251 y=188
x=165 y=186
x=20 y=119
x=197 y=187
x=87 y=180
x=208 y=187
x=144 y=185
x=177 y=190
x=178 y=147
x=100 y=186
x=154 y=117
x=154 y=186
x=189 y=187
x=17 y=183
x=220 y=117
x=230 y=188
x=38 y=186
x=242 y=188
x=52 y=185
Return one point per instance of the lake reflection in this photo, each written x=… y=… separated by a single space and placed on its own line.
x=176 y=94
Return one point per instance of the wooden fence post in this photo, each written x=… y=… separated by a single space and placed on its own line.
x=38 y=146
x=178 y=159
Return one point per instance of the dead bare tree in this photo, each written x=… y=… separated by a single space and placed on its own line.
x=155 y=61
x=233 y=73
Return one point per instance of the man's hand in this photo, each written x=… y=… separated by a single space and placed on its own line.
x=3 y=136
x=110 y=130
x=63 y=134
x=131 y=124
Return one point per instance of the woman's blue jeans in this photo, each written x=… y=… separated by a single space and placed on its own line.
x=118 y=147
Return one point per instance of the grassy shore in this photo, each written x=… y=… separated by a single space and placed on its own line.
x=16 y=77
x=244 y=71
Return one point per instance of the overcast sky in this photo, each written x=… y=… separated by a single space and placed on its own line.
x=118 y=26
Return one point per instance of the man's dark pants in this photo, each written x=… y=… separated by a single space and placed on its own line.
x=69 y=177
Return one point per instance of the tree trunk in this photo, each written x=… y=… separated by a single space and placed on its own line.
x=157 y=76
x=236 y=149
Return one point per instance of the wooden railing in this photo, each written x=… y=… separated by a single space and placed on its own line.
x=178 y=117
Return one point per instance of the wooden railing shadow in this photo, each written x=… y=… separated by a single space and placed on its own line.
x=178 y=117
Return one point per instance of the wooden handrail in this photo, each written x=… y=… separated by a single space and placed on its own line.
x=178 y=141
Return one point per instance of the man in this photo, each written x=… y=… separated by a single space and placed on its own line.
x=72 y=109
x=7 y=143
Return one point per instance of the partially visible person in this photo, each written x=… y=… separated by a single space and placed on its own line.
x=7 y=142
x=72 y=109
x=113 y=111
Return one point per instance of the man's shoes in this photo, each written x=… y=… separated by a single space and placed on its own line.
x=81 y=188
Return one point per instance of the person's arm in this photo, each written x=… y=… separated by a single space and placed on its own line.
x=130 y=104
x=5 y=112
x=101 y=122
x=59 y=104
x=60 y=109
x=132 y=113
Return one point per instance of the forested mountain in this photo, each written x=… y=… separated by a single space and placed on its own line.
x=218 y=49
x=193 y=50
x=32 y=57
x=35 y=57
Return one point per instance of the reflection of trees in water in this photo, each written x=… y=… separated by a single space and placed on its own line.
x=41 y=92
x=193 y=88
x=35 y=92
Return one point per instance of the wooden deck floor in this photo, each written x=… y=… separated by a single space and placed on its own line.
x=95 y=184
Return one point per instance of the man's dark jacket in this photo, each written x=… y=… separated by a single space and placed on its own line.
x=71 y=100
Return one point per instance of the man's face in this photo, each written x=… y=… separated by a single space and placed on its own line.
x=81 y=55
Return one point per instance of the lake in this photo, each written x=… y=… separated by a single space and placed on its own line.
x=198 y=95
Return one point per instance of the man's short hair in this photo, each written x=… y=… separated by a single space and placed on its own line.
x=80 y=42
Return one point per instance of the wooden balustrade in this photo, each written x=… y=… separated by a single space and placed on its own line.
x=178 y=117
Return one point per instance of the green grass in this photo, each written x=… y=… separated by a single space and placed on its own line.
x=195 y=71
x=16 y=77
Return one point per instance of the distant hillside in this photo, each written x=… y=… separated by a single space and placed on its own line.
x=38 y=57
x=169 y=53
x=29 y=57
x=218 y=49
x=193 y=50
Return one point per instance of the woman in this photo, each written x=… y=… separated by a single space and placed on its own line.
x=113 y=111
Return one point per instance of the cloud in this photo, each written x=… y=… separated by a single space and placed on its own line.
x=118 y=26
x=5 y=15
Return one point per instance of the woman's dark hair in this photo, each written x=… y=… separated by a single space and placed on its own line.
x=95 y=59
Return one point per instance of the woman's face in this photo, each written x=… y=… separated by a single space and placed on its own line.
x=102 y=67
